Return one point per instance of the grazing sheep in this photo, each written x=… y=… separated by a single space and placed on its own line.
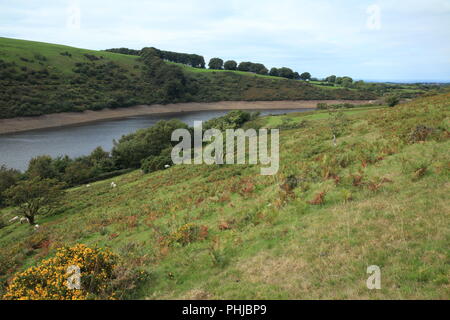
x=167 y=166
x=113 y=185
x=88 y=186
x=36 y=227
x=24 y=220
x=14 y=219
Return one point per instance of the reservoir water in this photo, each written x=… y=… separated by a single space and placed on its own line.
x=16 y=149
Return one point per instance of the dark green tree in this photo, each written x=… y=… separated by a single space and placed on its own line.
x=34 y=196
x=331 y=79
x=131 y=149
x=8 y=178
x=42 y=166
x=230 y=65
x=286 y=73
x=215 y=63
x=274 y=72
x=245 y=66
x=305 y=76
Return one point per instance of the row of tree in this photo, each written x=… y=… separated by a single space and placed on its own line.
x=193 y=60
x=258 y=68
x=339 y=80
x=198 y=61
x=131 y=52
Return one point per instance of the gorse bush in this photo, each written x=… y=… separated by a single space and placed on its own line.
x=48 y=280
x=187 y=234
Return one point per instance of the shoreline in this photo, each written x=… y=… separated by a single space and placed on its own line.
x=64 y=119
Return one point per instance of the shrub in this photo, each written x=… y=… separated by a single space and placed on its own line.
x=2 y=222
x=8 y=178
x=42 y=167
x=133 y=148
x=420 y=133
x=232 y=120
x=155 y=163
x=48 y=281
x=188 y=233
x=392 y=100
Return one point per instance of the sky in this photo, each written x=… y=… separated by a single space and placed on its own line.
x=382 y=40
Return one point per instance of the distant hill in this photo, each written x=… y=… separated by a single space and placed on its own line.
x=39 y=78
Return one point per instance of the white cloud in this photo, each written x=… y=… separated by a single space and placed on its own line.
x=321 y=36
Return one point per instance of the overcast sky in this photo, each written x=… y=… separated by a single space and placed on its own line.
x=403 y=40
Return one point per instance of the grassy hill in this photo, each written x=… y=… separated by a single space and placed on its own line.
x=39 y=78
x=33 y=54
x=380 y=197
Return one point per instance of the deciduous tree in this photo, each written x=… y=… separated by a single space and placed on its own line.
x=216 y=63
x=230 y=65
x=34 y=196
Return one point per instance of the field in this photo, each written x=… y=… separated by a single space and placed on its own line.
x=379 y=197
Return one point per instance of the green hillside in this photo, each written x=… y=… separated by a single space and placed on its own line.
x=40 y=78
x=379 y=197
x=40 y=54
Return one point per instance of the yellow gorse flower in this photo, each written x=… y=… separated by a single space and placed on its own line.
x=48 y=281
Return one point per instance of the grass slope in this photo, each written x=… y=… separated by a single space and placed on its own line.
x=12 y=50
x=386 y=204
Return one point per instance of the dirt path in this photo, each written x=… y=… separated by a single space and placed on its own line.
x=72 y=118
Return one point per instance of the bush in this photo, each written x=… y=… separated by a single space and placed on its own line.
x=133 y=148
x=41 y=167
x=420 y=133
x=48 y=281
x=187 y=234
x=392 y=100
x=155 y=163
x=232 y=120
x=8 y=178
x=2 y=222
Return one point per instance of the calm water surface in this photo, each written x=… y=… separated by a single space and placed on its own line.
x=17 y=149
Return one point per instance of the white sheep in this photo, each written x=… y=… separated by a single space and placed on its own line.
x=88 y=186
x=113 y=185
x=167 y=166
x=24 y=220
x=14 y=219
x=36 y=227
